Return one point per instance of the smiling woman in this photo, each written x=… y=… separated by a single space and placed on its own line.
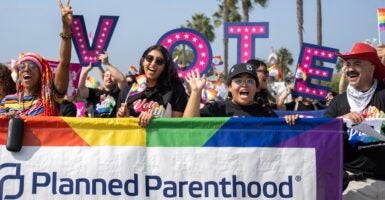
x=157 y=91
x=38 y=93
x=242 y=83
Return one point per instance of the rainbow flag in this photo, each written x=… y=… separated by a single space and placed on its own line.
x=217 y=61
x=124 y=160
x=138 y=87
x=381 y=19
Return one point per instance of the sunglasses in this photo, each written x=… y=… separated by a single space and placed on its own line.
x=30 y=65
x=240 y=81
x=150 y=58
x=263 y=71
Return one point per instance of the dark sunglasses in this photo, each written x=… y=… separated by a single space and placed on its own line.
x=22 y=66
x=150 y=58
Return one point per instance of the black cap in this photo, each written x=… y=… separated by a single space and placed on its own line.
x=242 y=68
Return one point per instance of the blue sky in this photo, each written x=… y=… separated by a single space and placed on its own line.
x=34 y=26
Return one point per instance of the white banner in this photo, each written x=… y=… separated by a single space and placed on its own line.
x=158 y=173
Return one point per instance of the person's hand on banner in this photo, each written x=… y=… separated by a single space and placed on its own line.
x=354 y=117
x=290 y=119
x=145 y=118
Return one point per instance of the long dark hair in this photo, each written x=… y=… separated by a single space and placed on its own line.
x=256 y=63
x=7 y=86
x=169 y=77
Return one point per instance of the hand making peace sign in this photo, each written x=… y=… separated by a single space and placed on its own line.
x=66 y=13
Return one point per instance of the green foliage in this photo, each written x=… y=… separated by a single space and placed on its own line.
x=285 y=58
x=234 y=15
x=200 y=22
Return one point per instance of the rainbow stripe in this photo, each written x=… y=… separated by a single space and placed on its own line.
x=104 y=138
x=169 y=132
x=139 y=86
x=381 y=19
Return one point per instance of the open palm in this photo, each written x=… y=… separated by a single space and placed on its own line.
x=195 y=81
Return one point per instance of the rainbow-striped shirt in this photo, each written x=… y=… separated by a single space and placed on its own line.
x=28 y=106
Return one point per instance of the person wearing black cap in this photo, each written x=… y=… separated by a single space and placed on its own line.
x=364 y=98
x=242 y=84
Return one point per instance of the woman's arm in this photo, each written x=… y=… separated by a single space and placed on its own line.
x=196 y=84
x=62 y=71
x=118 y=75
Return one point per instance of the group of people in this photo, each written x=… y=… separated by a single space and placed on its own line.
x=159 y=92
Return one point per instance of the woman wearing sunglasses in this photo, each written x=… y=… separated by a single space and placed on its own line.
x=242 y=84
x=38 y=92
x=156 y=92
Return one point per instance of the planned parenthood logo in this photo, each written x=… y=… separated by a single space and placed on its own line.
x=10 y=173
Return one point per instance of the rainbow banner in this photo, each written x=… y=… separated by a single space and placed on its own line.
x=209 y=158
x=381 y=19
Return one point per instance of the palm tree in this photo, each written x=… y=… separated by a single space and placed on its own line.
x=183 y=56
x=232 y=13
x=319 y=22
x=285 y=58
x=201 y=23
x=319 y=31
x=247 y=5
x=228 y=12
x=300 y=21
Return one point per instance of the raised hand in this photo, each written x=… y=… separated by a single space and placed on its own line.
x=66 y=13
x=381 y=52
x=195 y=81
x=103 y=57
x=88 y=68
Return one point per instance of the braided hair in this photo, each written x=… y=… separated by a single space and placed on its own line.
x=46 y=86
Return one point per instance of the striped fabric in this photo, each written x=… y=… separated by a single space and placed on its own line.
x=381 y=18
x=28 y=106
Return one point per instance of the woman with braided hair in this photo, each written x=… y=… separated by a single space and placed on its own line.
x=38 y=92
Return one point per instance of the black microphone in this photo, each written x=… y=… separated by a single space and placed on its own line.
x=15 y=134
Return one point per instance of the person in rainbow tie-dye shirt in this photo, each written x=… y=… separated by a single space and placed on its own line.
x=38 y=92
x=102 y=100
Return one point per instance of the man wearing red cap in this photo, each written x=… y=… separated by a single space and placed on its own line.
x=364 y=97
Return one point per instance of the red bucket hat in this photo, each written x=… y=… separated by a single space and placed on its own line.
x=366 y=52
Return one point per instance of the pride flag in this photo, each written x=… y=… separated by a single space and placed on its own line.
x=174 y=158
x=381 y=19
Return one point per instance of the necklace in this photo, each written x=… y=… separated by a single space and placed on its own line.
x=31 y=99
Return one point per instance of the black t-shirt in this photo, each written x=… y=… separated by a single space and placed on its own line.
x=67 y=109
x=155 y=99
x=262 y=98
x=229 y=109
x=104 y=102
x=302 y=106
x=361 y=153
